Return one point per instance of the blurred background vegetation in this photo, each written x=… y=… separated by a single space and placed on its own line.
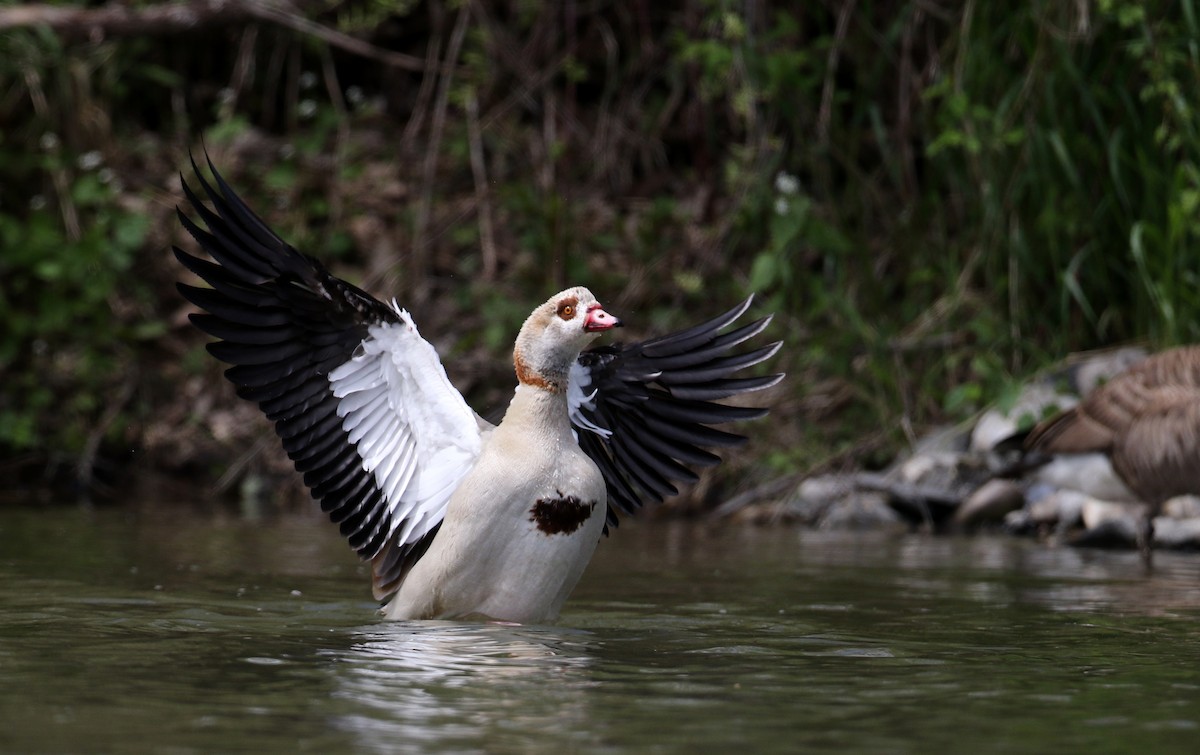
x=936 y=198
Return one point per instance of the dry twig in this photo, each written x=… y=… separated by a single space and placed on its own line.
x=120 y=20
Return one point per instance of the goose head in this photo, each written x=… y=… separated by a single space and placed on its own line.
x=552 y=337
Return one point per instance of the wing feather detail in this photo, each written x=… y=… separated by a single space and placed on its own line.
x=359 y=399
x=643 y=411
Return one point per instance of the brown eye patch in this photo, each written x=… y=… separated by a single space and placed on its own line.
x=566 y=307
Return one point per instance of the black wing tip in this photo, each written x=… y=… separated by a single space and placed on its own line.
x=676 y=417
x=753 y=385
x=774 y=380
x=739 y=309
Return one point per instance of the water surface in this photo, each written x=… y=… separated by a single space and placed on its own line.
x=155 y=628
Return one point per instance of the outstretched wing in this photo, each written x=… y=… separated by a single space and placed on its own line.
x=359 y=399
x=643 y=411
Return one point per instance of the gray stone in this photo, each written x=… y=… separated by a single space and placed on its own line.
x=1019 y=522
x=952 y=475
x=1097 y=512
x=824 y=488
x=934 y=468
x=1182 y=507
x=814 y=495
x=1088 y=473
x=862 y=512
x=1035 y=401
x=1170 y=532
x=1102 y=367
x=953 y=440
x=1061 y=507
x=990 y=502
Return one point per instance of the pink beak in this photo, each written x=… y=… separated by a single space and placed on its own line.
x=597 y=320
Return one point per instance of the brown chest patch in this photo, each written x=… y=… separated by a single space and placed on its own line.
x=562 y=515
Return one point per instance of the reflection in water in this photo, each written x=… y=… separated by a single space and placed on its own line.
x=1000 y=570
x=413 y=685
x=222 y=635
x=995 y=570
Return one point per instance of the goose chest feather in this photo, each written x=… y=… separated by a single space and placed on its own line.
x=521 y=527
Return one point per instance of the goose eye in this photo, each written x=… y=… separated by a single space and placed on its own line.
x=566 y=309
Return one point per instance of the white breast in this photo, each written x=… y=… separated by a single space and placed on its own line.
x=517 y=535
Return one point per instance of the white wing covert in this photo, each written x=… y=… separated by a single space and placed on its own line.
x=360 y=401
x=410 y=426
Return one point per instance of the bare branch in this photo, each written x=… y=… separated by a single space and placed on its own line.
x=120 y=20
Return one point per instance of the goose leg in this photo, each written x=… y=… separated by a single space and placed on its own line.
x=1145 y=539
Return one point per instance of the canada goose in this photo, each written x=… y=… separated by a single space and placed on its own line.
x=1147 y=420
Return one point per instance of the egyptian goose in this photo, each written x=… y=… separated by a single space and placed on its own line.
x=459 y=518
x=1147 y=420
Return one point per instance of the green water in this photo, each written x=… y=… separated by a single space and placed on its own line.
x=154 y=629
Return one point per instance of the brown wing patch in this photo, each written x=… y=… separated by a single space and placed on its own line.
x=562 y=515
x=1105 y=413
x=1073 y=431
x=1158 y=455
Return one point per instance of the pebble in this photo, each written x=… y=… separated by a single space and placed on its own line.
x=1177 y=533
x=1088 y=473
x=1182 y=507
x=990 y=502
x=1097 y=512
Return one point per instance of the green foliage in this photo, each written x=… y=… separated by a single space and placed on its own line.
x=68 y=244
x=60 y=345
x=1049 y=203
x=1082 y=178
x=934 y=203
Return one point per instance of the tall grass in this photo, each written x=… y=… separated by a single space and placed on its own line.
x=1084 y=164
x=1003 y=184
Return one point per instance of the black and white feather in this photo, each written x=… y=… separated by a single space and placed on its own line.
x=366 y=412
x=359 y=399
x=643 y=411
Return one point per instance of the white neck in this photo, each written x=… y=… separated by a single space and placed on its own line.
x=536 y=411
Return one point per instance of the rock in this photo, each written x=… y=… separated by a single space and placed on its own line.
x=953 y=440
x=813 y=497
x=1182 y=507
x=1088 y=473
x=932 y=468
x=1102 y=367
x=1112 y=533
x=862 y=512
x=1045 y=508
x=765 y=513
x=1035 y=401
x=1045 y=397
x=1060 y=507
x=1175 y=533
x=990 y=502
x=1109 y=524
x=1097 y=512
x=1019 y=522
x=956 y=475
x=824 y=488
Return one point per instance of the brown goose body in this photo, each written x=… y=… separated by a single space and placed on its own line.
x=1147 y=419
